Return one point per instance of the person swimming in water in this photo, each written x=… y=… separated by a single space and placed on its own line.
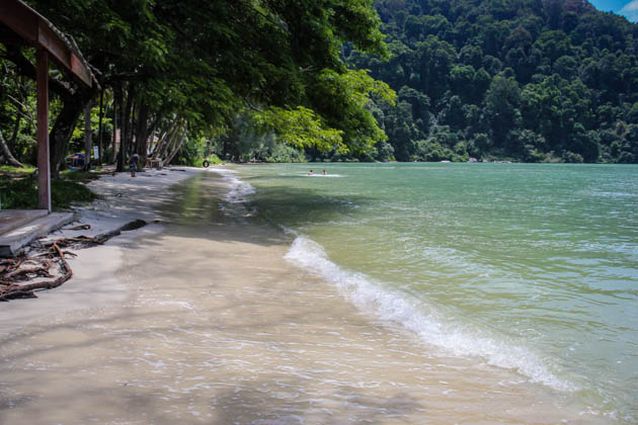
x=311 y=173
x=324 y=172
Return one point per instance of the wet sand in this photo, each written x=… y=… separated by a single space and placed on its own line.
x=212 y=326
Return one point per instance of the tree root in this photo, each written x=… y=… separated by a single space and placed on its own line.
x=48 y=255
x=12 y=289
x=82 y=241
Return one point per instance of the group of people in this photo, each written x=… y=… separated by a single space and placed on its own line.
x=323 y=173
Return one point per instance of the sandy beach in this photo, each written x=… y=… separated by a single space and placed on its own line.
x=95 y=284
x=200 y=319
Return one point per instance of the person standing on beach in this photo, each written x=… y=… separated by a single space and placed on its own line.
x=133 y=164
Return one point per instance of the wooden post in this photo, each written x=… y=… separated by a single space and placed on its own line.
x=44 y=171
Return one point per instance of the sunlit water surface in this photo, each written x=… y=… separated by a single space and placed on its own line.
x=532 y=268
x=438 y=294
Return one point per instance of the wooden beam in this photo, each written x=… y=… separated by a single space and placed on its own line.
x=20 y=20
x=44 y=171
x=61 y=53
x=37 y=32
x=79 y=70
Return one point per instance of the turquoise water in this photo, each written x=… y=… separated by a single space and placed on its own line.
x=533 y=268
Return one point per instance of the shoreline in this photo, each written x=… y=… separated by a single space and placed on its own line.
x=94 y=284
x=212 y=323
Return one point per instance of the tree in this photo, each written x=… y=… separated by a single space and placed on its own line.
x=556 y=71
x=501 y=109
x=198 y=64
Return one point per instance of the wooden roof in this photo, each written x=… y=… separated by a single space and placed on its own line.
x=35 y=30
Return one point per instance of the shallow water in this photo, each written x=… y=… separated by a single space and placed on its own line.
x=532 y=268
x=221 y=327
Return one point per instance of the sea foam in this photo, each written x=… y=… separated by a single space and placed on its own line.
x=429 y=325
x=237 y=196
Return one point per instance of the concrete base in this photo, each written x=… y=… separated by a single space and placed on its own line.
x=12 y=219
x=21 y=227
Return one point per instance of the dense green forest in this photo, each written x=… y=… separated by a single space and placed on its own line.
x=527 y=80
x=290 y=80
x=178 y=78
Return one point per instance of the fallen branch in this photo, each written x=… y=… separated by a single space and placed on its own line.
x=27 y=290
x=79 y=227
x=82 y=241
x=13 y=271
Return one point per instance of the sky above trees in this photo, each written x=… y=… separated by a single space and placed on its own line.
x=629 y=9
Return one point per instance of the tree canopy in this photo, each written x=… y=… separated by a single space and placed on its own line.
x=528 y=80
x=196 y=65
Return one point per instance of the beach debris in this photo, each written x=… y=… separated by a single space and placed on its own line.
x=79 y=227
x=79 y=242
x=45 y=267
x=42 y=272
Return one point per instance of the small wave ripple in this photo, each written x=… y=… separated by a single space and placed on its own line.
x=395 y=307
x=236 y=198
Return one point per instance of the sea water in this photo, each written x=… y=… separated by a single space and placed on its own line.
x=532 y=268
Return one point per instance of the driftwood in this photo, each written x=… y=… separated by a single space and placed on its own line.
x=82 y=241
x=79 y=227
x=48 y=262
x=10 y=288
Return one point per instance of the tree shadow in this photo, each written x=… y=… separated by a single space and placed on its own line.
x=200 y=201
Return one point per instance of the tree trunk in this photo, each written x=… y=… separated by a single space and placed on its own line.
x=176 y=149
x=141 y=131
x=100 y=147
x=63 y=129
x=116 y=104
x=121 y=154
x=170 y=142
x=132 y=142
x=6 y=153
x=16 y=129
x=125 y=123
x=88 y=136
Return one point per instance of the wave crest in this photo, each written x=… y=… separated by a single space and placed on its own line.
x=395 y=307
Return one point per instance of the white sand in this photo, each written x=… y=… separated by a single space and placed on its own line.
x=94 y=284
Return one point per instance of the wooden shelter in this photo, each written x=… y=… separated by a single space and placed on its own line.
x=21 y=25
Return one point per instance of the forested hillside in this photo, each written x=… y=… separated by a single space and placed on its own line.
x=525 y=80
x=528 y=80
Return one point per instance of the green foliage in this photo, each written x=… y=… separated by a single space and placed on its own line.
x=343 y=98
x=213 y=159
x=526 y=80
x=23 y=193
x=193 y=153
x=8 y=169
x=300 y=128
x=529 y=80
x=200 y=64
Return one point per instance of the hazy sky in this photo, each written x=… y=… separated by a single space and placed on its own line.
x=623 y=7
